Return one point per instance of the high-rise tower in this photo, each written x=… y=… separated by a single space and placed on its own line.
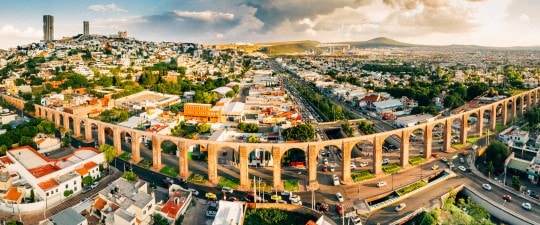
x=86 y=28
x=48 y=28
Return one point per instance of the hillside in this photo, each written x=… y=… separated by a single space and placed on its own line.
x=379 y=42
x=282 y=48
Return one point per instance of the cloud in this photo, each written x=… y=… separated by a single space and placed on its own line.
x=120 y=21
x=206 y=16
x=524 y=18
x=106 y=8
x=9 y=31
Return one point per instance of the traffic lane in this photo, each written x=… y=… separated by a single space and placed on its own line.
x=426 y=198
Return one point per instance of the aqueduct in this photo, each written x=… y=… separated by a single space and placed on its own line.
x=526 y=100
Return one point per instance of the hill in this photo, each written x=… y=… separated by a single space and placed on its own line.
x=379 y=42
x=281 y=48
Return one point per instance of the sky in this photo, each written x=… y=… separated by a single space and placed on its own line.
x=500 y=23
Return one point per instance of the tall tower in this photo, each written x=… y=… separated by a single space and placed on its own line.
x=48 y=28
x=86 y=28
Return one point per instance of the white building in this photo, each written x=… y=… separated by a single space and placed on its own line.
x=229 y=213
x=412 y=120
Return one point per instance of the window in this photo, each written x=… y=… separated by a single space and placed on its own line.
x=144 y=212
x=67 y=186
x=75 y=188
x=74 y=182
x=47 y=193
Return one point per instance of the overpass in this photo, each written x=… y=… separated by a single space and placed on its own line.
x=527 y=99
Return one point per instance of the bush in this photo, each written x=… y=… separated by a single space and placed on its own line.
x=362 y=175
x=275 y=216
x=416 y=160
x=391 y=168
x=411 y=187
x=198 y=178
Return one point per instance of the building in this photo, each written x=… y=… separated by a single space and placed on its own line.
x=201 y=112
x=412 y=120
x=122 y=34
x=388 y=105
x=125 y=203
x=179 y=200
x=229 y=213
x=48 y=28
x=86 y=28
x=67 y=216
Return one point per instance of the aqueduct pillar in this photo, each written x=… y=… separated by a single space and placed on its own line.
x=156 y=152
x=212 y=163
x=276 y=154
x=135 y=147
x=183 y=163
x=244 y=169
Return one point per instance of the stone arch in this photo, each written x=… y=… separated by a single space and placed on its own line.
x=294 y=157
x=498 y=114
x=228 y=156
x=391 y=149
x=473 y=123
x=260 y=157
x=169 y=147
x=366 y=149
x=437 y=137
x=456 y=131
x=417 y=143
x=526 y=100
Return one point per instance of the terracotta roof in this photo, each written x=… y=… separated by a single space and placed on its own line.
x=48 y=184
x=99 y=204
x=43 y=170
x=138 y=220
x=170 y=208
x=90 y=165
x=13 y=194
x=81 y=171
x=6 y=160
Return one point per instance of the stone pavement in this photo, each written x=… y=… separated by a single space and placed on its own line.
x=36 y=217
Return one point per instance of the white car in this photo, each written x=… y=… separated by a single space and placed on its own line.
x=339 y=197
x=400 y=207
x=94 y=185
x=487 y=187
x=335 y=179
x=296 y=202
x=285 y=193
x=193 y=191
x=332 y=169
x=353 y=166
x=526 y=206
x=294 y=198
x=462 y=168
x=362 y=164
x=325 y=161
x=381 y=183
x=227 y=190
x=385 y=161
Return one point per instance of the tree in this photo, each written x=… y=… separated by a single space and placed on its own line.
x=497 y=152
x=533 y=116
x=302 y=132
x=109 y=152
x=253 y=139
x=29 y=107
x=476 y=89
x=346 y=127
x=158 y=219
x=46 y=127
x=489 y=168
x=366 y=128
x=230 y=94
x=130 y=176
x=14 y=222
x=516 y=182
x=67 y=193
x=248 y=127
x=204 y=128
x=453 y=101
x=87 y=180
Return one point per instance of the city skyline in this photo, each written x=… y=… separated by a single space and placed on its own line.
x=500 y=23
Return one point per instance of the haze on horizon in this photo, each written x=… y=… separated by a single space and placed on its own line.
x=500 y=23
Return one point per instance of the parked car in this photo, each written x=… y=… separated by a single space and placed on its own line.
x=211 y=213
x=381 y=183
x=444 y=159
x=285 y=193
x=461 y=160
x=322 y=207
x=462 y=168
x=325 y=161
x=210 y=196
x=401 y=206
x=339 y=197
x=296 y=202
x=227 y=190
x=385 y=161
x=335 y=179
x=526 y=205
x=507 y=198
x=86 y=189
x=362 y=164
x=434 y=167
x=332 y=169
x=275 y=197
x=294 y=197
x=339 y=209
x=94 y=185
x=232 y=199
x=193 y=191
x=353 y=165
x=434 y=155
x=487 y=187
x=325 y=168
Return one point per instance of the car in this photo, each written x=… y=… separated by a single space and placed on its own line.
x=507 y=198
x=362 y=164
x=434 y=167
x=322 y=207
x=335 y=180
x=462 y=168
x=325 y=168
x=232 y=199
x=86 y=189
x=294 y=197
x=325 y=161
x=353 y=165
x=281 y=201
x=464 y=153
x=356 y=221
x=339 y=197
x=210 y=195
x=94 y=185
x=227 y=190
x=487 y=187
x=434 y=155
x=332 y=169
x=339 y=209
x=401 y=206
x=193 y=191
x=211 y=213
x=275 y=197
x=381 y=183
x=296 y=202
x=168 y=180
x=461 y=160
x=444 y=159
x=285 y=193
x=385 y=161
x=526 y=205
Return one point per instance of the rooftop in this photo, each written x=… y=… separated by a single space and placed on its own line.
x=229 y=213
x=67 y=216
x=13 y=194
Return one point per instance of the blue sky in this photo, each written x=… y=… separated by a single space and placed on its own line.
x=443 y=22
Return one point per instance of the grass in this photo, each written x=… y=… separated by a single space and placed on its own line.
x=198 y=178
x=458 y=146
x=264 y=185
x=499 y=127
x=391 y=168
x=411 y=187
x=290 y=185
x=229 y=182
x=362 y=175
x=472 y=140
x=145 y=164
x=125 y=156
x=416 y=160
x=170 y=171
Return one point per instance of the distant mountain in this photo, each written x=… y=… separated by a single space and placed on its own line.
x=379 y=42
x=290 y=47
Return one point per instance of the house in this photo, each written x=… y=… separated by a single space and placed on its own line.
x=387 y=105
x=179 y=200
x=125 y=203
x=67 y=216
x=412 y=120
x=229 y=213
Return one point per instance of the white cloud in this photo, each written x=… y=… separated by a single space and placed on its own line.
x=524 y=18
x=9 y=31
x=119 y=21
x=106 y=8
x=206 y=16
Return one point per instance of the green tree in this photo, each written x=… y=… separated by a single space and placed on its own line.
x=476 y=89
x=346 y=127
x=159 y=220
x=302 y=132
x=489 y=168
x=46 y=127
x=497 y=152
x=29 y=107
x=67 y=193
x=453 y=101
x=14 y=222
x=366 y=128
x=130 y=176
x=248 y=127
x=516 y=182
x=253 y=139
x=109 y=152
x=533 y=116
x=86 y=181
x=204 y=128
x=230 y=94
